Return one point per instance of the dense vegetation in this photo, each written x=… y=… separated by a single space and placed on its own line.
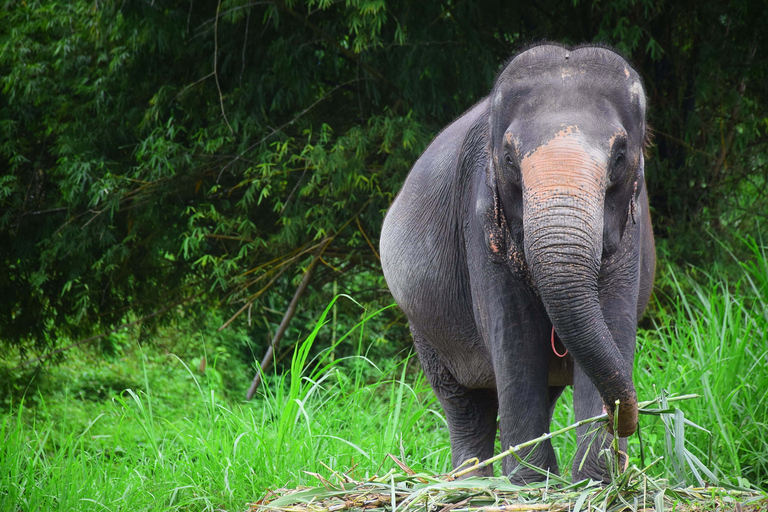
x=162 y=158
x=173 y=167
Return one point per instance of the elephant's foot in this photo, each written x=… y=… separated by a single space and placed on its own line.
x=524 y=476
x=601 y=461
x=543 y=457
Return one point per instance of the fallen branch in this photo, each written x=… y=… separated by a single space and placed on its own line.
x=267 y=360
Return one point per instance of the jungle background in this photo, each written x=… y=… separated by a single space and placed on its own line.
x=180 y=177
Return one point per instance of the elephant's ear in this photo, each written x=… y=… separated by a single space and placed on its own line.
x=491 y=179
x=497 y=231
x=634 y=203
x=622 y=210
x=637 y=92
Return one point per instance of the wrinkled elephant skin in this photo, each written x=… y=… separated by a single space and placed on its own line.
x=530 y=212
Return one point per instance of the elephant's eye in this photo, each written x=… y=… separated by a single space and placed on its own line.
x=619 y=159
x=618 y=166
x=513 y=171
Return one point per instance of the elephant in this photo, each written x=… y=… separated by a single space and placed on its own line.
x=523 y=231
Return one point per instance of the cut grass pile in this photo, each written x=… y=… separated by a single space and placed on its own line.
x=170 y=442
x=423 y=493
x=631 y=488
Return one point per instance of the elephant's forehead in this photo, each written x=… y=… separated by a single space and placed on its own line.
x=597 y=88
x=567 y=146
x=562 y=63
x=596 y=141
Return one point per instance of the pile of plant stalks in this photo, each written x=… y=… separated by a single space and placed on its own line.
x=631 y=488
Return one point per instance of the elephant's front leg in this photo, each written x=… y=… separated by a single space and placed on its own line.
x=520 y=364
x=594 y=443
x=515 y=330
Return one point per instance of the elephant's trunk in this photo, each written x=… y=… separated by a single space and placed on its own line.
x=564 y=187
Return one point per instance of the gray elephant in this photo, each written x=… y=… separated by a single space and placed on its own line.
x=528 y=216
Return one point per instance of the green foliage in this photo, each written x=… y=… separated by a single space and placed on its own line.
x=172 y=442
x=142 y=177
x=174 y=160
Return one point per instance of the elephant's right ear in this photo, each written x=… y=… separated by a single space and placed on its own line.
x=495 y=227
x=492 y=181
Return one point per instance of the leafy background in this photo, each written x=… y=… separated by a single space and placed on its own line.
x=173 y=157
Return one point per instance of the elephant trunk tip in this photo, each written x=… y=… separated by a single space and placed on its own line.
x=627 y=417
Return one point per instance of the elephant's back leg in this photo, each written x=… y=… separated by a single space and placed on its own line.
x=470 y=413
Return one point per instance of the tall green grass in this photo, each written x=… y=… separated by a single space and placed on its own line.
x=347 y=414
x=138 y=451
x=712 y=339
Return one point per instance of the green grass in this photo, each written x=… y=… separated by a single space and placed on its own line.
x=172 y=441
x=141 y=450
x=713 y=340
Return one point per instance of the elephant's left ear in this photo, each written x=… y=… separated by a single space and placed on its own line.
x=634 y=208
x=639 y=101
x=637 y=92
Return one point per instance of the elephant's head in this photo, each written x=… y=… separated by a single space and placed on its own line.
x=567 y=138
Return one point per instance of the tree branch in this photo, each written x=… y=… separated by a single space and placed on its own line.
x=216 y=68
x=726 y=141
x=346 y=52
x=274 y=131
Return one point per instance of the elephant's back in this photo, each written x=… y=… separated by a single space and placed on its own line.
x=421 y=243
